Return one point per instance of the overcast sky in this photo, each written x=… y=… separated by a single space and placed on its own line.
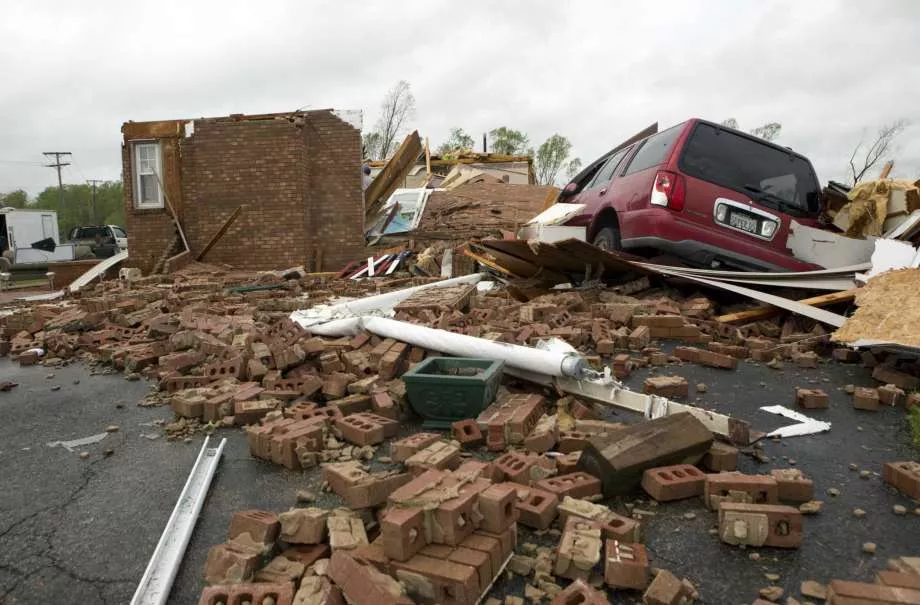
x=831 y=72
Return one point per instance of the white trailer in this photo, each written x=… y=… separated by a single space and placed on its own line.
x=19 y=229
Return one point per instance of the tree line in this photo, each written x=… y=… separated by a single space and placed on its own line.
x=77 y=209
x=552 y=159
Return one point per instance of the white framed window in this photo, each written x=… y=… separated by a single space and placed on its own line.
x=148 y=175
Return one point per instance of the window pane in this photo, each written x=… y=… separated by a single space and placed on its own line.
x=654 y=150
x=605 y=173
x=149 y=194
x=728 y=159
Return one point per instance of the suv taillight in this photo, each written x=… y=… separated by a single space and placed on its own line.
x=668 y=190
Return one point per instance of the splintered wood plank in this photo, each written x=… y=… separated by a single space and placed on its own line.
x=220 y=232
x=769 y=311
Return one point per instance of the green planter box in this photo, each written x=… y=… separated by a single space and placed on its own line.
x=443 y=390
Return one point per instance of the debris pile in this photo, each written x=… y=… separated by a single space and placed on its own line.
x=438 y=515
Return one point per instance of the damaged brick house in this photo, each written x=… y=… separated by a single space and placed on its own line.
x=297 y=177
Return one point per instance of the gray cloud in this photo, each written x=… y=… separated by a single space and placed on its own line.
x=597 y=72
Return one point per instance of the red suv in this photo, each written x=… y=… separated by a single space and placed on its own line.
x=710 y=195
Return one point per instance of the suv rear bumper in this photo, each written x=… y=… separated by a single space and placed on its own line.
x=660 y=229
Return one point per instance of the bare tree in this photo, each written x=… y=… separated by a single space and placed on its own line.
x=767 y=132
x=877 y=151
x=397 y=109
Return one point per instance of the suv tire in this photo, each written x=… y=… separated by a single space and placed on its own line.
x=608 y=238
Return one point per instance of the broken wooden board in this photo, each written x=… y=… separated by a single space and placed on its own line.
x=391 y=176
x=220 y=232
x=796 y=307
x=736 y=431
x=767 y=312
x=619 y=458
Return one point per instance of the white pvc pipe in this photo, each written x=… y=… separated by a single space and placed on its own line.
x=547 y=363
x=370 y=304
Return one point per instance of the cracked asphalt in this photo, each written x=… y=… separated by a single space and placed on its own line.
x=76 y=530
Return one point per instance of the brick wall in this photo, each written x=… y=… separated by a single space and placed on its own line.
x=256 y=164
x=149 y=231
x=333 y=185
x=298 y=180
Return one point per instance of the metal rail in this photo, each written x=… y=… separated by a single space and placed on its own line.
x=164 y=564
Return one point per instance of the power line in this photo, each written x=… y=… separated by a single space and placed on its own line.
x=93 y=183
x=58 y=164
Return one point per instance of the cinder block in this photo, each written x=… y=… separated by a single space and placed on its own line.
x=760 y=525
x=666 y=386
x=576 y=485
x=811 y=399
x=403 y=532
x=537 y=509
x=279 y=593
x=402 y=450
x=721 y=457
x=903 y=476
x=361 y=582
x=665 y=589
x=497 y=506
x=579 y=550
x=230 y=564
x=866 y=399
x=626 y=565
x=677 y=482
x=303 y=525
x=736 y=487
x=792 y=486
x=256 y=529
x=467 y=433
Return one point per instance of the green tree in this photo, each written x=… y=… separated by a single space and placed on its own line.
x=508 y=141
x=459 y=139
x=15 y=199
x=551 y=157
x=767 y=132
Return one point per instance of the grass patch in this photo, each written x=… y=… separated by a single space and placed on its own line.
x=913 y=419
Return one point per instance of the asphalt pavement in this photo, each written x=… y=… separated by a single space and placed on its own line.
x=75 y=530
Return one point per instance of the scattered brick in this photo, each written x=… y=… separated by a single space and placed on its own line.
x=903 y=476
x=579 y=550
x=866 y=399
x=760 y=525
x=575 y=485
x=677 y=482
x=626 y=565
x=537 y=509
x=671 y=387
x=737 y=487
x=721 y=457
x=792 y=485
x=467 y=433
x=812 y=399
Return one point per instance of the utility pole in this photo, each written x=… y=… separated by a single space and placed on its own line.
x=93 y=183
x=58 y=164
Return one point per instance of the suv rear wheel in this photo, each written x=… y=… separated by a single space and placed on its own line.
x=608 y=238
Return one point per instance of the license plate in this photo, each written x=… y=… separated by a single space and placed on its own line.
x=740 y=221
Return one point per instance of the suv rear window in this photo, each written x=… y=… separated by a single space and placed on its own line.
x=654 y=150
x=728 y=159
x=90 y=232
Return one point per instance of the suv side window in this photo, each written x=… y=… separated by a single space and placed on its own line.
x=119 y=232
x=606 y=173
x=654 y=150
